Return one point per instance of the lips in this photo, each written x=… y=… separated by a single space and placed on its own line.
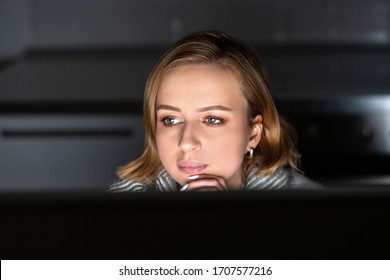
x=191 y=167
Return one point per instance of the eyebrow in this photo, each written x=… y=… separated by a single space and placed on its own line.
x=214 y=108
x=204 y=109
x=167 y=107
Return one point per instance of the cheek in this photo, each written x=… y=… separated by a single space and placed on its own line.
x=166 y=143
x=162 y=143
x=228 y=147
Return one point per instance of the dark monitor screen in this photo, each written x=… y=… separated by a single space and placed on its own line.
x=326 y=224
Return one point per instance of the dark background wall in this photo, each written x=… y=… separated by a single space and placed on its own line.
x=102 y=23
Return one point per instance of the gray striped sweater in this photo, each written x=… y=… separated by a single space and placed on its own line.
x=283 y=178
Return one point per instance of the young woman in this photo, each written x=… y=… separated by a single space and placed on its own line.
x=211 y=124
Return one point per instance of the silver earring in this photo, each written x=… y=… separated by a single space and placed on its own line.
x=249 y=154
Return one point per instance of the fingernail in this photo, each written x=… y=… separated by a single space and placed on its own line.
x=184 y=188
x=192 y=177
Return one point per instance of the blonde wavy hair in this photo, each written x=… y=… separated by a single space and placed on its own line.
x=277 y=144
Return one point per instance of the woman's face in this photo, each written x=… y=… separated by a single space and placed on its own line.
x=202 y=127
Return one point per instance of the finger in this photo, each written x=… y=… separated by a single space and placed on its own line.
x=201 y=183
x=216 y=184
x=205 y=189
x=205 y=183
x=220 y=180
x=200 y=188
x=198 y=177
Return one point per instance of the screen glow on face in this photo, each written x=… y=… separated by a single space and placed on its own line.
x=202 y=125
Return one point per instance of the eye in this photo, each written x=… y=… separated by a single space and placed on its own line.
x=170 y=121
x=213 y=120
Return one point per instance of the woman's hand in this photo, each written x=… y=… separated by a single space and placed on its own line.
x=205 y=183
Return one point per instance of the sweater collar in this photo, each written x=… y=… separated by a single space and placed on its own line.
x=277 y=180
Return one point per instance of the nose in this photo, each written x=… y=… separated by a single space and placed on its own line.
x=189 y=140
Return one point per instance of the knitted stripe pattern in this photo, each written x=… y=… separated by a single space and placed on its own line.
x=165 y=183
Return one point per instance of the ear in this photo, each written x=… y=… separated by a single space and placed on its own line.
x=255 y=132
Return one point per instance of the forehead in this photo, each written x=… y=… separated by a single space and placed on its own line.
x=203 y=83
